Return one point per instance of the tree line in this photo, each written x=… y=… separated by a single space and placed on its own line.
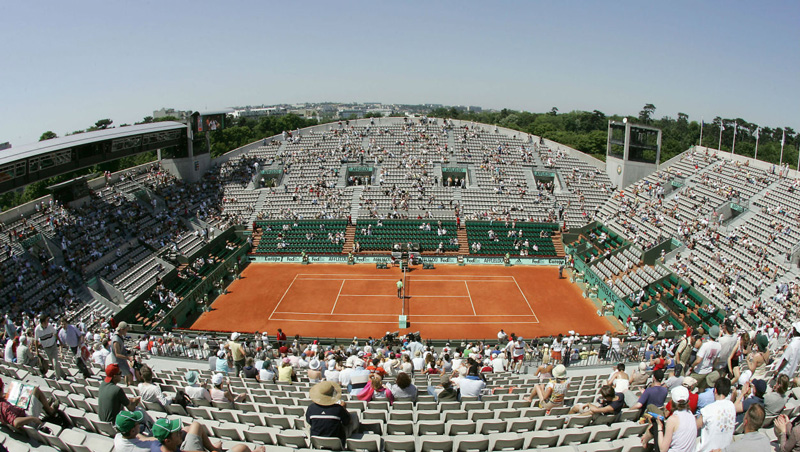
x=587 y=131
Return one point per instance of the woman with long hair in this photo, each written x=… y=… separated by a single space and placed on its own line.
x=739 y=356
x=679 y=433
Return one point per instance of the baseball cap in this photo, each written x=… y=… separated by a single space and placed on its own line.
x=164 y=427
x=126 y=420
x=111 y=371
x=679 y=394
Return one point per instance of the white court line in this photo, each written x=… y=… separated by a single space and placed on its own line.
x=409 y=279
x=415 y=315
x=409 y=296
x=337 y=295
x=470 y=299
x=526 y=298
x=416 y=323
x=416 y=276
x=284 y=296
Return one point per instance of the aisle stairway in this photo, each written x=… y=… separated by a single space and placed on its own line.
x=349 y=238
x=463 y=241
x=558 y=244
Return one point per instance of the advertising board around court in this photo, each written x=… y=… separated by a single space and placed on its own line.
x=375 y=259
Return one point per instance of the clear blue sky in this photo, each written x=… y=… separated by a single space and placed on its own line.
x=68 y=64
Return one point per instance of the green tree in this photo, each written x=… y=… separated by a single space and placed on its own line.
x=647 y=113
x=103 y=124
x=49 y=135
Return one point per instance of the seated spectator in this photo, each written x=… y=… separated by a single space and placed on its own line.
x=652 y=399
x=150 y=392
x=752 y=440
x=111 y=399
x=249 y=370
x=552 y=394
x=403 y=389
x=689 y=383
x=639 y=376
x=376 y=390
x=286 y=372
x=775 y=400
x=619 y=379
x=679 y=434
x=195 y=389
x=358 y=378
x=445 y=391
x=327 y=415
x=168 y=436
x=610 y=403
x=222 y=365
x=471 y=385
x=314 y=373
x=222 y=393
x=788 y=433
x=101 y=351
x=751 y=394
x=16 y=417
x=267 y=372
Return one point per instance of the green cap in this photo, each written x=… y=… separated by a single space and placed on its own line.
x=126 y=420
x=164 y=427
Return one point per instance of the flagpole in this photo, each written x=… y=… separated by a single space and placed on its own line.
x=734 y=138
x=701 y=131
x=783 y=141
x=757 y=136
x=721 y=128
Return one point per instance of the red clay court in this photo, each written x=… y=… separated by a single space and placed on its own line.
x=449 y=302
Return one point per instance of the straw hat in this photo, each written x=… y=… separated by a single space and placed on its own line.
x=560 y=371
x=326 y=393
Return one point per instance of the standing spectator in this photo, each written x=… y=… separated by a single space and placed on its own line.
x=280 y=338
x=679 y=434
x=237 y=353
x=791 y=356
x=70 y=336
x=327 y=415
x=121 y=355
x=47 y=339
x=717 y=420
x=703 y=365
x=111 y=399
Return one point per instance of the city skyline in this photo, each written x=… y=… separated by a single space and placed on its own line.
x=71 y=65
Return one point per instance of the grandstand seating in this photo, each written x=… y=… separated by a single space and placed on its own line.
x=478 y=231
x=310 y=236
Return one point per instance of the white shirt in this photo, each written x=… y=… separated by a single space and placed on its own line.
x=470 y=387
x=708 y=354
x=719 y=422
x=499 y=364
x=9 y=350
x=122 y=444
x=99 y=356
x=46 y=336
x=791 y=356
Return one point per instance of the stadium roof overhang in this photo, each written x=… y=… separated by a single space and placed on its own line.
x=30 y=163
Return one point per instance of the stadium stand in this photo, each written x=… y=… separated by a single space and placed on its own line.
x=706 y=240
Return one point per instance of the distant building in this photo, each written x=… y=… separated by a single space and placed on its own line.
x=258 y=112
x=165 y=112
x=350 y=112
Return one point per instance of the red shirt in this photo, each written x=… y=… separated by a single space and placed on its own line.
x=692 y=404
x=9 y=413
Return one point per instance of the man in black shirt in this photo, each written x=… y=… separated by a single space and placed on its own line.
x=327 y=415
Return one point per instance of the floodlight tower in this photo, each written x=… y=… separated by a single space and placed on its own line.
x=633 y=152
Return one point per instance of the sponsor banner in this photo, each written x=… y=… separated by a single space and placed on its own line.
x=359 y=169
x=544 y=174
x=342 y=259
